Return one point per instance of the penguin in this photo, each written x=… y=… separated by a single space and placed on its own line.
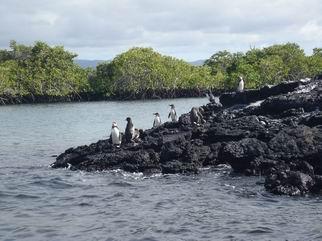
x=115 y=135
x=241 y=84
x=157 y=120
x=173 y=113
x=196 y=117
x=129 y=130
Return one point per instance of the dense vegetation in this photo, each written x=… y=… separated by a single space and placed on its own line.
x=269 y=65
x=142 y=69
x=39 y=71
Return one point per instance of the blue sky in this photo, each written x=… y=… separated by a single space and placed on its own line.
x=188 y=29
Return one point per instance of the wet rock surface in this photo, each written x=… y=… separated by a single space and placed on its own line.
x=274 y=131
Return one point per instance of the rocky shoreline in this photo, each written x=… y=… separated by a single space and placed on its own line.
x=274 y=131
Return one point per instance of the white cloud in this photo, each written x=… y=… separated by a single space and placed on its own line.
x=44 y=18
x=311 y=31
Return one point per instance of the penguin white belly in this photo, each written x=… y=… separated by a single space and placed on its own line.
x=116 y=136
x=157 y=121
x=173 y=115
x=240 y=86
x=132 y=131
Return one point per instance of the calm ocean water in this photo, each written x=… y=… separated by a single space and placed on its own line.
x=40 y=203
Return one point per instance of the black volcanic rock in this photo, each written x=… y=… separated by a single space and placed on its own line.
x=249 y=96
x=279 y=136
x=241 y=154
x=290 y=183
x=312 y=120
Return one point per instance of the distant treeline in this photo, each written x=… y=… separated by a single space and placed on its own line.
x=41 y=73
x=271 y=65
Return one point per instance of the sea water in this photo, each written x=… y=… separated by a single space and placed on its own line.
x=41 y=203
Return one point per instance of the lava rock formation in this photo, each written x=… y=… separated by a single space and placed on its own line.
x=274 y=131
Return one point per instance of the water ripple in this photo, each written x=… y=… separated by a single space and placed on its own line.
x=39 y=203
x=26 y=196
x=120 y=184
x=260 y=230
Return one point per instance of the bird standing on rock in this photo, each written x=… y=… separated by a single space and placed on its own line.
x=131 y=134
x=129 y=130
x=115 y=134
x=157 y=120
x=173 y=113
x=196 y=117
x=241 y=84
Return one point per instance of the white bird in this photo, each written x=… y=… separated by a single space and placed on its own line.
x=157 y=120
x=240 y=85
x=173 y=114
x=115 y=134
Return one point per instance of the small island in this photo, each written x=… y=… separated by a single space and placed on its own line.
x=274 y=131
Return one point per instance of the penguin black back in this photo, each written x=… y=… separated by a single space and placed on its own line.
x=129 y=130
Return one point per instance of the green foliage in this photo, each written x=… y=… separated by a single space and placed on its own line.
x=142 y=69
x=40 y=70
x=269 y=65
x=8 y=79
x=315 y=62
